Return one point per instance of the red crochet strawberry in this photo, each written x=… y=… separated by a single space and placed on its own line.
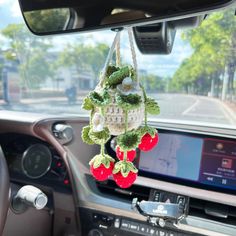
x=130 y=154
x=125 y=182
x=101 y=167
x=124 y=174
x=148 y=142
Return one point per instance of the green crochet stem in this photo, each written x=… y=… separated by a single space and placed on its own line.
x=102 y=150
x=145 y=116
x=90 y=118
x=145 y=100
x=102 y=111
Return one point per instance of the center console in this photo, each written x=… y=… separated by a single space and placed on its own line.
x=186 y=186
x=104 y=224
x=200 y=217
x=110 y=225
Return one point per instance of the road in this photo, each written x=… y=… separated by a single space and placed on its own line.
x=195 y=108
x=173 y=106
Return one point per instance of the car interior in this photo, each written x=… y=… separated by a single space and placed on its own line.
x=53 y=53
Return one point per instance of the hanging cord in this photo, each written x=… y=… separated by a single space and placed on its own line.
x=118 y=58
x=108 y=59
x=133 y=53
x=116 y=45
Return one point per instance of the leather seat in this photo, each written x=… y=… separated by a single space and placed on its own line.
x=4 y=191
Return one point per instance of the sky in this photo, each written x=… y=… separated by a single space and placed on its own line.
x=162 y=65
x=9 y=12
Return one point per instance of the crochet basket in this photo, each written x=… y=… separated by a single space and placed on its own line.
x=113 y=114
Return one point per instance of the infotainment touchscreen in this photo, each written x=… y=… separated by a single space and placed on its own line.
x=202 y=160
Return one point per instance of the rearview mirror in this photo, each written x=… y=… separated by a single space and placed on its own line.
x=53 y=16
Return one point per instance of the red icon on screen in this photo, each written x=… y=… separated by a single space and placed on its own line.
x=227 y=163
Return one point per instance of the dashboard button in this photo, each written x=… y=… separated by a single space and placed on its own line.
x=147 y=230
x=156 y=196
x=162 y=232
x=117 y=223
x=125 y=224
x=142 y=228
x=152 y=231
x=134 y=226
x=95 y=217
x=181 y=200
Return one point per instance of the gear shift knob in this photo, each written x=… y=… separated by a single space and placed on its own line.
x=29 y=195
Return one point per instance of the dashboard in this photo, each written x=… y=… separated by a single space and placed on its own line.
x=191 y=164
x=30 y=160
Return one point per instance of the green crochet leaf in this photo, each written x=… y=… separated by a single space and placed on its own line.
x=99 y=137
x=111 y=69
x=124 y=167
x=147 y=129
x=85 y=135
x=129 y=140
x=128 y=102
x=100 y=100
x=152 y=106
x=106 y=162
x=87 y=104
x=117 y=77
x=101 y=159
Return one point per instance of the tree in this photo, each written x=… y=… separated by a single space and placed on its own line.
x=31 y=52
x=84 y=57
x=154 y=83
x=214 y=44
x=193 y=76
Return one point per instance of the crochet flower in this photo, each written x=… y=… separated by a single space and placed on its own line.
x=98 y=122
x=128 y=86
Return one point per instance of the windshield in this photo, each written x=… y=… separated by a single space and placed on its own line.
x=195 y=83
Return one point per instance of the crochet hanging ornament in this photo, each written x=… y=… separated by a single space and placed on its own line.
x=117 y=107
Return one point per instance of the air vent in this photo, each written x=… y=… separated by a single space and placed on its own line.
x=212 y=211
x=216 y=212
x=110 y=188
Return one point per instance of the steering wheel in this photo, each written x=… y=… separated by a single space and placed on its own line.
x=4 y=191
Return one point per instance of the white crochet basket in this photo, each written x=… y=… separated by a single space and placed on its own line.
x=115 y=115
